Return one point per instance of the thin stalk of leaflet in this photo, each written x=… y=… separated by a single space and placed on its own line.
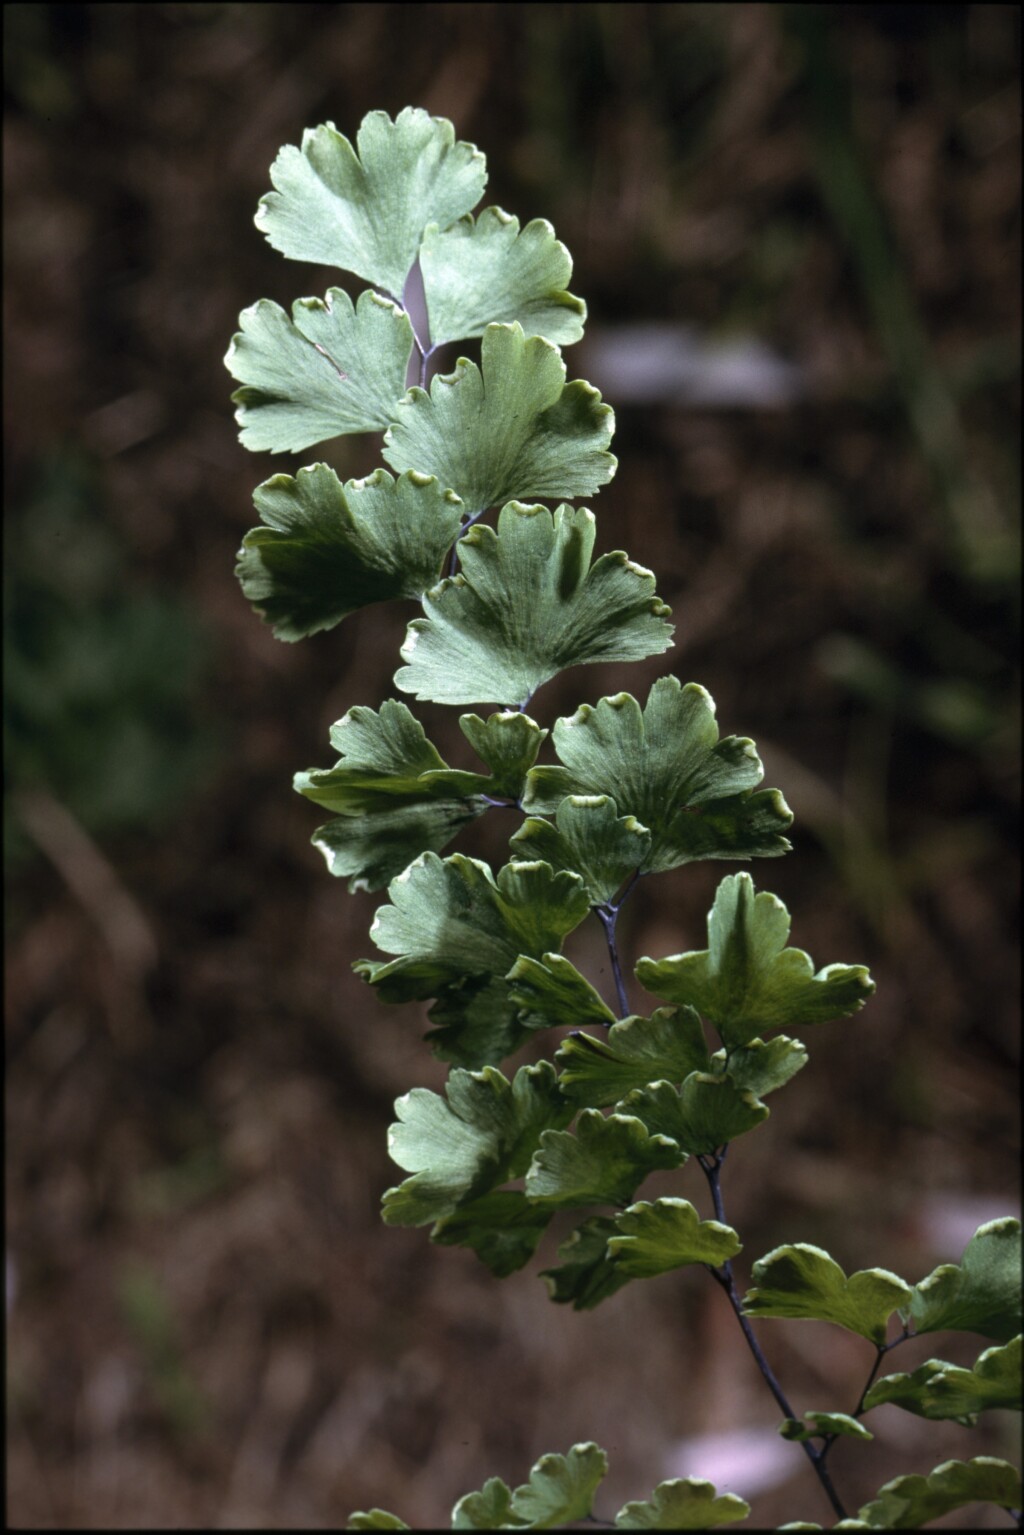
x=609 y=917
x=712 y=1168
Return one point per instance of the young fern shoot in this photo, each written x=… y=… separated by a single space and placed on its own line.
x=624 y=790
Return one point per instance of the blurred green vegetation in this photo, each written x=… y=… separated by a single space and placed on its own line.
x=103 y=673
x=149 y=1320
x=983 y=535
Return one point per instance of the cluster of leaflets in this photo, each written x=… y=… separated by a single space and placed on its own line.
x=629 y=790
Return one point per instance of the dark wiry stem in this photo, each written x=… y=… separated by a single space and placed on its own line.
x=466 y=525
x=881 y=1349
x=712 y=1167
x=880 y=1352
x=609 y=916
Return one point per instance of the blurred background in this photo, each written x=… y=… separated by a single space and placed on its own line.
x=797 y=230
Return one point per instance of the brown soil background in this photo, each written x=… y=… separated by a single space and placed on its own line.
x=208 y=1325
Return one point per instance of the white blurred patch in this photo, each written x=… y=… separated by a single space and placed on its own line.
x=744 y=1461
x=948 y=1221
x=674 y=364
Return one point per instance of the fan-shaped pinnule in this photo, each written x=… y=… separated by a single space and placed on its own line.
x=665 y=766
x=334 y=368
x=365 y=209
x=326 y=549
x=511 y=429
x=526 y=604
x=747 y=982
x=488 y=270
